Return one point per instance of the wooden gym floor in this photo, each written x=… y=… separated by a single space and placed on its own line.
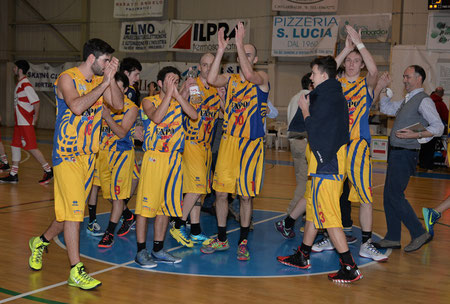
x=26 y=209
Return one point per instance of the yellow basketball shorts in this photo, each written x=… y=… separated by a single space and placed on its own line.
x=115 y=169
x=239 y=166
x=135 y=169
x=359 y=171
x=96 y=177
x=197 y=159
x=73 y=182
x=322 y=201
x=160 y=187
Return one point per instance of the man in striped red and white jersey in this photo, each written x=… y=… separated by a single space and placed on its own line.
x=26 y=104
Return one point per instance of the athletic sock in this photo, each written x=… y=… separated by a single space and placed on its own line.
x=289 y=222
x=347 y=258
x=195 y=229
x=14 y=170
x=179 y=222
x=4 y=159
x=244 y=234
x=44 y=239
x=92 y=213
x=158 y=245
x=141 y=246
x=222 y=236
x=46 y=167
x=127 y=214
x=111 y=227
x=366 y=235
x=305 y=249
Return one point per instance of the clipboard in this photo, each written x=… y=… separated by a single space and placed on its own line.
x=417 y=127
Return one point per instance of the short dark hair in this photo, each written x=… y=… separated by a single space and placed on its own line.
x=130 y=64
x=120 y=76
x=154 y=83
x=306 y=81
x=97 y=47
x=419 y=70
x=166 y=70
x=23 y=65
x=326 y=64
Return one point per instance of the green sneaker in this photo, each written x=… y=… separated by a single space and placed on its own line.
x=215 y=245
x=242 y=253
x=79 y=278
x=37 y=247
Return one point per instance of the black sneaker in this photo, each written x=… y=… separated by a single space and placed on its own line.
x=4 y=167
x=346 y=274
x=126 y=226
x=298 y=259
x=47 y=177
x=12 y=179
x=107 y=240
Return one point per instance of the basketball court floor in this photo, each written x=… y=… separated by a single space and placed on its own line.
x=26 y=209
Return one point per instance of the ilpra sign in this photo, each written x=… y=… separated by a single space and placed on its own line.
x=304 y=35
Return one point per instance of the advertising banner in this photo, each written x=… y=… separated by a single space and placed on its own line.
x=373 y=27
x=305 y=5
x=300 y=36
x=138 y=8
x=144 y=36
x=201 y=36
x=438 y=35
x=43 y=76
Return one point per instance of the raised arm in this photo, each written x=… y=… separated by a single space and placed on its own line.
x=157 y=114
x=185 y=105
x=349 y=47
x=113 y=95
x=76 y=103
x=127 y=121
x=214 y=78
x=259 y=78
x=367 y=57
x=382 y=84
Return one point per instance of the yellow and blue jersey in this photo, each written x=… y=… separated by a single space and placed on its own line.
x=245 y=109
x=109 y=141
x=76 y=134
x=203 y=128
x=168 y=135
x=359 y=102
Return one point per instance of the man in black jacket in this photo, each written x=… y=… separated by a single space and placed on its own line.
x=325 y=112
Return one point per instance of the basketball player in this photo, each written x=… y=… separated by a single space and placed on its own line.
x=77 y=132
x=116 y=160
x=26 y=104
x=326 y=121
x=197 y=156
x=241 y=153
x=358 y=91
x=160 y=188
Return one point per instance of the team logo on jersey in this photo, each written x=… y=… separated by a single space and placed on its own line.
x=74 y=203
x=81 y=87
x=151 y=159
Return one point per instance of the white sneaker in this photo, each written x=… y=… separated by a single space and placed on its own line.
x=369 y=251
x=324 y=244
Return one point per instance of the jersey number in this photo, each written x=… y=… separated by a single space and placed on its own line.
x=165 y=147
x=239 y=120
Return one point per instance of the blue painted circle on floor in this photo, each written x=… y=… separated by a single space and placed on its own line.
x=265 y=244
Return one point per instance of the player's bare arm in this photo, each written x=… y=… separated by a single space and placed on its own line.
x=382 y=83
x=185 y=105
x=157 y=114
x=214 y=78
x=349 y=47
x=366 y=56
x=113 y=95
x=76 y=103
x=257 y=77
x=36 y=107
x=127 y=122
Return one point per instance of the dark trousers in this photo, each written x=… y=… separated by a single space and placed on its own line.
x=426 y=155
x=401 y=165
x=346 y=206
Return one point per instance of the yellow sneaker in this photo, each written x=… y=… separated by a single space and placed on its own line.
x=37 y=247
x=79 y=278
x=181 y=236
